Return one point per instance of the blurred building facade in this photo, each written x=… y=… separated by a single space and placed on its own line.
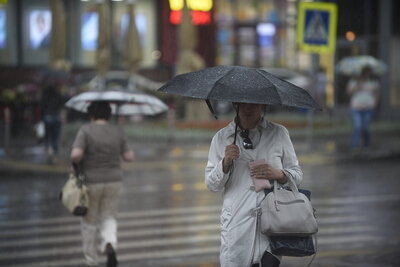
x=259 y=33
x=22 y=31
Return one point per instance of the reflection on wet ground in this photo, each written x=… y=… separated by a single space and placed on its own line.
x=168 y=218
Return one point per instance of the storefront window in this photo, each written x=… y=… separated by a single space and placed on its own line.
x=247 y=46
x=145 y=21
x=36 y=32
x=85 y=32
x=39 y=29
x=89 y=31
x=254 y=33
x=7 y=35
x=266 y=33
x=246 y=10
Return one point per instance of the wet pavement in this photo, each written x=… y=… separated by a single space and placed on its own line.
x=169 y=218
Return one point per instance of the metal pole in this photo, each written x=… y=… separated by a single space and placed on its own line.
x=310 y=113
x=385 y=29
x=7 y=121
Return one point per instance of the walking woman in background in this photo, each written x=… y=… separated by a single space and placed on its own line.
x=262 y=153
x=364 y=96
x=51 y=104
x=98 y=149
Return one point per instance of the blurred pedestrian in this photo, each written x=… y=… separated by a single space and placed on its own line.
x=98 y=149
x=320 y=83
x=17 y=112
x=264 y=152
x=51 y=106
x=364 y=97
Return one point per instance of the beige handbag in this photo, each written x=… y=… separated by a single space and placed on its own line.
x=74 y=195
x=287 y=212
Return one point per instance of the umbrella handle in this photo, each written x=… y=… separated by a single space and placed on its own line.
x=234 y=137
x=236 y=124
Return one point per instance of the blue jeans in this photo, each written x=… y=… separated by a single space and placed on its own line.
x=361 y=120
x=52 y=125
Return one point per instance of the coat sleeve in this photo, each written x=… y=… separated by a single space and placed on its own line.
x=80 y=139
x=290 y=162
x=215 y=178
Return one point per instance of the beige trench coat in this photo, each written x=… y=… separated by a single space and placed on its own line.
x=241 y=242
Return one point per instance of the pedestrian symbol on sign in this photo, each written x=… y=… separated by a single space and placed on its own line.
x=316 y=28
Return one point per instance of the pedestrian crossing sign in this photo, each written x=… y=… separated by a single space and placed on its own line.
x=316 y=27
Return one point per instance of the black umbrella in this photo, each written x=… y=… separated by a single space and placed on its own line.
x=239 y=84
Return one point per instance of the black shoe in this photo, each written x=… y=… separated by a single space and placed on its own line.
x=111 y=256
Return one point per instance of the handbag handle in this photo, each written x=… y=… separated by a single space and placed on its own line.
x=75 y=167
x=77 y=171
x=294 y=190
x=292 y=186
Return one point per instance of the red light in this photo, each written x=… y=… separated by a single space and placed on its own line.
x=175 y=17
x=201 y=17
x=198 y=17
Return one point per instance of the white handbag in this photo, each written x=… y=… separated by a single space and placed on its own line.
x=74 y=195
x=287 y=212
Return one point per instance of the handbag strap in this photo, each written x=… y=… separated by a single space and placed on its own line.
x=316 y=250
x=75 y=167
x=78 y=173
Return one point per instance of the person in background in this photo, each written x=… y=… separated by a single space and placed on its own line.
x=320 y=83
x=364 y=97
x=263 y=152
x=17 y=112
x=98 y=149
x=51 y=104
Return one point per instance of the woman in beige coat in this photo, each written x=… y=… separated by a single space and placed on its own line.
x=228 y=171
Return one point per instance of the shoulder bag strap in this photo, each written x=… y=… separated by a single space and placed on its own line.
x=316 y=250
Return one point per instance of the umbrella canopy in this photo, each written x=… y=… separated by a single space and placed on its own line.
x=239 y=84
x=291 y=76
x=122 y=103
x=352 y=66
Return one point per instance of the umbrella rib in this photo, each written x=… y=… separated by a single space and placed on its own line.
x=231 y=70
x=263 y=75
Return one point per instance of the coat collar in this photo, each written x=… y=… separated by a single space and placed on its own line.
x=262 y=124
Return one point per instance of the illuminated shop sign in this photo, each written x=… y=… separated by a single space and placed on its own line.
x=89 y=30
x=199 y=9
x=39 y=29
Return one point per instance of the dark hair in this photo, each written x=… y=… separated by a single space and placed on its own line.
x=99 y=110
x=366 y=70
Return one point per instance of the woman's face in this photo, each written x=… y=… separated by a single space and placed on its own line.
x=250 y=114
